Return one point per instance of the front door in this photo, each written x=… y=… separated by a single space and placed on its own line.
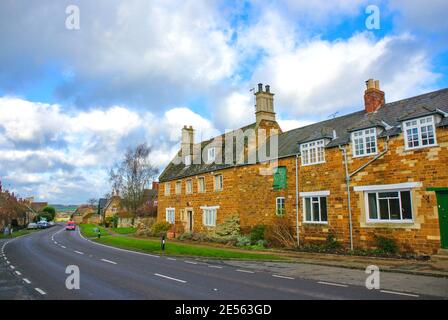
x=190 y=220
x=442 y=204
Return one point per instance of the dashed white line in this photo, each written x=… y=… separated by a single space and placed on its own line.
x=283 y=277
x=217 y=267
x=79 y=252
x=190 y=262
x=333 y=284
x=26 y=280
x=63 y=247
x=108 y=261
x=401 y=293
x=18 y=273
x=12 y=267
x=173 y=259
x=245 y=271
x=170 y=278
x=7 y=261
x=42 y=292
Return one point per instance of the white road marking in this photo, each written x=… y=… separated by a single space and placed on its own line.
x=170 y=278
x=55 y=242
x=18 y=273
x=79 y=252
x=333 y=284
x=173 y=259
x=108 y=261
x=190 y=262
x=401 y=293
x=246 y=271
x=64 y=247
x=26 y=280
x=7 y=261
x=217 y=267
x=12 y=267
x=42 y=292
x=283 y=277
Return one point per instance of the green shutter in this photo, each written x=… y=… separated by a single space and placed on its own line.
x=280 y=178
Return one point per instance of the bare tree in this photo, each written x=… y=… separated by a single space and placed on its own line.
x=130 y=177
x=93 y=202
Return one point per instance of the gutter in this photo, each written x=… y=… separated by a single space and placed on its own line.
x=348 y=179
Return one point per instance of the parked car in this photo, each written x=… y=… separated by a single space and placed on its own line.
x=32 y=225
x=71 y=226
x=42 y=224
x=51 y=223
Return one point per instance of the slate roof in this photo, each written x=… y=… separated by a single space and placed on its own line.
x=336 y=130
x=102 y=203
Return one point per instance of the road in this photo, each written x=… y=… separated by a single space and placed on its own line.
x=40 y=260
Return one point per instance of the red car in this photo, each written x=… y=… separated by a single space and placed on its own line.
x=71 y=226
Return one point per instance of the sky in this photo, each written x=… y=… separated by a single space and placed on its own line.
x=72 y=100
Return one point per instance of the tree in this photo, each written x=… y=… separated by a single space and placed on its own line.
x=49 y=212
x=93 y=202
x=130 y=177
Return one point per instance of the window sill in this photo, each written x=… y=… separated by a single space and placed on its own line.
x=385 y=222
x=365 y=155
x=421 y=147
x=313 y=164
x=316 y=222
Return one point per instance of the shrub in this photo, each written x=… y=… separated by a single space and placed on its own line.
x=160 y=228
x=331 y=243
x=257 y=233
x=186 y=236
x=281 y=233
x=386 y=245
x=242 y=241
x=112 y=221
x=227 y=231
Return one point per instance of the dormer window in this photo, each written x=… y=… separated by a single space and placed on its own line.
x=364 y=142
x=211 y=154
x=312 y=152
x=419 y=133
x=187 y=160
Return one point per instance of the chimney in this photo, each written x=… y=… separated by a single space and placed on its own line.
x=264 y=104
x=187 y=141
x=373 y=96
x=155 y=185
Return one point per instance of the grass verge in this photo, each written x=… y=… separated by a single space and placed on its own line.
x=18 y=233
x=128 y=230
x=178 y=249
x=88 y=230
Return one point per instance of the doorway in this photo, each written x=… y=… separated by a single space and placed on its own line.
x=190 y=221
x=442 y=206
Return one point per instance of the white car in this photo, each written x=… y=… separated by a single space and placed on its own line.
x=32 y=225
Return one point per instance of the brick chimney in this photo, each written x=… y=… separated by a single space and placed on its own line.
x=264 y=104
x=187 y=140
x=155 y=185
x=373 y=96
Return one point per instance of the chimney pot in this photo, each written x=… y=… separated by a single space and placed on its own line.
x=260 y=87
x=267 y=88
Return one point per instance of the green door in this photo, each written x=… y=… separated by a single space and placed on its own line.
x=442 y=204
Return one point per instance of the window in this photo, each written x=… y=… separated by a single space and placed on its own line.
x=167 y=188
x=189 y=186
x=187 y=160
x=279 y=178
x=312 y=152
x=211 y=154
x=389 y=206
x=364 y=142
x=170 y=215
x=209 y=216
x=178 y=187
x=315 y=209
x=419 y=132
x=280 y=206
x=218 y=182
x=201 y=184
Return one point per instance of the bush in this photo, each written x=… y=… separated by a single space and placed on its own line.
x=281 y=233
x=242 y=241
x=227 y=231
x=386 y=245
x=257 y=233
x=160 y=228
x=186 y=236
x=112 y=221
x=331 y=243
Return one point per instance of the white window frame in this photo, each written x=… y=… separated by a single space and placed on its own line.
x=209 y=221
x=222 y=182
x=211 y=154
x=187 y=160
x=199 y=184
x=178 y=187
x=378 y=219
x=311 y=195
x=361 y=136
x=189 y=186
x=170 y=215
x=167 y=188
x=418 y=124
x=313 y=147
x=277 y=206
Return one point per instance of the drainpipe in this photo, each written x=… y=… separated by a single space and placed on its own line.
x=297 y=200
x=347 y=182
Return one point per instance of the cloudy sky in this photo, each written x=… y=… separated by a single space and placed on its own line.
x=71 y=101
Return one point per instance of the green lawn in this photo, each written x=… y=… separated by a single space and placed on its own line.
x=128 y=230
x=18 y=233
x=87 y=230
x=172 y=248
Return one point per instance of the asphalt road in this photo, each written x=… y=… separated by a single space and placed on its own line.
x=40 y=260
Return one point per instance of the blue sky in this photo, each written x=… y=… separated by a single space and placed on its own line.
x=71 y=101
